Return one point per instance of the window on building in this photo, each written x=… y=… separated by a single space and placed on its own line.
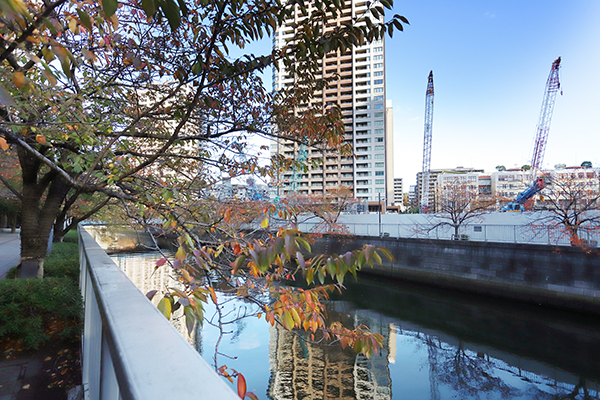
x=379 y=173
x=379 y=131
x=377 y=98
x=379 y=57
x=378 y=73
x=379 y=181
x=378 y=82
x=379 y=139
x=379 y=148
x=378 y=65
x=378 y=49
x=379 y=122
x=378 y=115
x=378 y=106
x=379 y=156
x=378 y=90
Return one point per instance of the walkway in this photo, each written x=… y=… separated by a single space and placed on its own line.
x=10 y=249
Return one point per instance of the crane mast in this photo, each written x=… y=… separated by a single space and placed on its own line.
x=427 y=144
x=543 y=125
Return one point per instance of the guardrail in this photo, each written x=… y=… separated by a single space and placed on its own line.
x=542 y=234
x=129 y=349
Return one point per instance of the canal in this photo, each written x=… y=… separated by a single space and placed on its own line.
x=438 y=344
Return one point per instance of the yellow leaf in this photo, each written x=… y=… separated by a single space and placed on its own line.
x=287 y=321
x=264 y=223
x=73 y=25
x=295 y=315
x=3 y=144
x=186 y=275
x=19 y=79
x=115 y=21
x=180 y=255
x=41 y=139
x=164 y=307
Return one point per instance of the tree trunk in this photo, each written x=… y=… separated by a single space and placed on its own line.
x=59 y=229
x=38 y=213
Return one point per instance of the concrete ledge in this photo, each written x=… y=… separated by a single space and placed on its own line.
x=562 y=277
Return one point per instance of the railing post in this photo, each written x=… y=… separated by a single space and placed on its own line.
x=110 y=387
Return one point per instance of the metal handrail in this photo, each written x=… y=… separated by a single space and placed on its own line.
x=129 y=349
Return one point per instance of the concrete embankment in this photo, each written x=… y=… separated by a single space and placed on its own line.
x=565 y=277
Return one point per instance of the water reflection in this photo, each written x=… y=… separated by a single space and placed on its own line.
x=139 y=268
x=438 y=345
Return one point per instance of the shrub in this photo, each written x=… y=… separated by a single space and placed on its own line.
x=63 y=261
x=71 y=236
x=34 y=310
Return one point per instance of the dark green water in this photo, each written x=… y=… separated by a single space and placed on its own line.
x=438 y=345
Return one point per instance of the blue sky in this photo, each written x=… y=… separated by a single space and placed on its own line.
x=490 y=61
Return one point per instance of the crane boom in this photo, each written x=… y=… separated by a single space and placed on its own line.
x=543 y=125
x=427 y=144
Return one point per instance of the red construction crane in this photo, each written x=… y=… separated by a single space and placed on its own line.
x=427 y=144
x=543 y=125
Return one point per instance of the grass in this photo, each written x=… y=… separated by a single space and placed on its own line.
x=35 y=311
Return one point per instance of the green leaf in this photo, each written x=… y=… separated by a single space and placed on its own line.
x=110 y=7
x=303 y=242
x=149 y=7
x=164 y=306
x=171 y=10
x=85 y=20
x=190 y=318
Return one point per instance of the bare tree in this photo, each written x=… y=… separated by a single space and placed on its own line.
x=459 y=202
x=572 y=198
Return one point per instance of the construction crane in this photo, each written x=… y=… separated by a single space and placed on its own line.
x=541 y=137
x=427 y=145
x=543 y=125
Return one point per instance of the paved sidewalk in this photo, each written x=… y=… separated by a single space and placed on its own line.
x=10 y=251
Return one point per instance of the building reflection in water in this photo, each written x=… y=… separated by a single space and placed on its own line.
x=139 y=268
x=300 y=370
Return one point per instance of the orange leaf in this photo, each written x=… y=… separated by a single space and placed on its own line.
x=241 y=386
x=19 y=79
x=213 y=295
x=227 y=215
x=3 y=144
x=41 y=139
x=251 y=395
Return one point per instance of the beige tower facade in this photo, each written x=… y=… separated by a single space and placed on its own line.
x=360 y=92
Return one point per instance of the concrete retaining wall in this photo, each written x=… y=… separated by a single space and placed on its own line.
x=565 y=277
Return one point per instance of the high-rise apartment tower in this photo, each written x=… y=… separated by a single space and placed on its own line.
x=360 y=92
